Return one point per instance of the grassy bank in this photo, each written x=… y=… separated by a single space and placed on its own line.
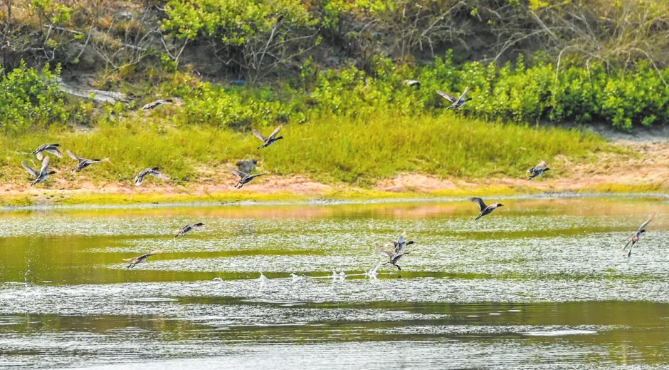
x=330 y=150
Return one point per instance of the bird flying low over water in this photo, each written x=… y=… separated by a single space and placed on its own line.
x=485 y=210
x=49 y=148
x=83 y=162
x=244 y=178
x=399 y=250
x=538 y=170
x=149 y=172
x=43 y=173
x=137 y=260
x=188 y=228
x=267 y=141
x=455 y=103
x=637 y=236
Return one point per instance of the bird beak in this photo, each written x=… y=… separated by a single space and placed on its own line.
x=501 y=205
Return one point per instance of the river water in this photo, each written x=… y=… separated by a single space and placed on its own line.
x=538 y=284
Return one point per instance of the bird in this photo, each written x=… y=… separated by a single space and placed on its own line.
x=247 y=165
x=149 y=172
x=43 y=173
x=538 y=170
x=412 y=83
x=637 y=236
x=398 y=252
x=484 y=208
x=158 y=103
x=49 y=148
x=137 y=260
x=456 y=103
x=83 y=162
x=267 y=141
x=188 y=228
x=244 y=178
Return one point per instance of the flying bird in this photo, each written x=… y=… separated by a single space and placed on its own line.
x=49 y=148
x=244 y=178
x=188 y=228
x=83 y=162
x=412 y=83
x=485 y=210
x=455 y=103
x=43 y=173
x=637 y=236
x=141 y=259
x=149 y=172
x=398 y=251
x=158 y=103
x=267 y=141
x=538 y=170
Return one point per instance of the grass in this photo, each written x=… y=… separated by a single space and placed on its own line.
x=333 y=150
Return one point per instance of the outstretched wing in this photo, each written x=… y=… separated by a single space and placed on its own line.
x=542 y=165
x=154 y=252
x=446 y=96
x=238 y=173
x=53 y=150
x=276 y=132
x=73 y=156
x=45 y=164
x=383 y=251
x=259 y=135
x=480 y=202
x=158 y=175
x=627 y=244
x=464 y=93
x=29 y=169
x=647 y=222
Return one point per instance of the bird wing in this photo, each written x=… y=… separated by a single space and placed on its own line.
x=238 y=173
x=259 y=135
x=400 y=239
x=159 y=251
x=446 y=96
x=73 y=156
x=157 y=174
x=464 y=93
x=383 y=251
x=45 y=164
x=542 y=165
x=276 y=132
x=628 y=243
x=479 y=201
x=53 y=150
x=140 y=176
x=647 y=222
x=29 y=169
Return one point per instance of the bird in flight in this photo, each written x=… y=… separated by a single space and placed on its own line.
x=188 y=228
x=49 y=148
x=83 y=162
x=538 y=170
x=455 y=103
x=637 y=236
x=267 y=141
x=158 y=103
x=244 y=178
x=396 y=254
x=485 y=210
x=155 y=172
x=43 y=173
x=137 y=260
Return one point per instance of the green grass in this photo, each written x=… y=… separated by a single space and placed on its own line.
x=329 y=150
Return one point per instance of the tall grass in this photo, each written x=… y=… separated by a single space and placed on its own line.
x=328 y=149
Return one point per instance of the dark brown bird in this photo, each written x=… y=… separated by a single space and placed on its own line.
x=267 y=141
x=637 y=236
x=188 y=228
x=149 y=172
x=485 y=210
x=137 y=260
x=244 y=178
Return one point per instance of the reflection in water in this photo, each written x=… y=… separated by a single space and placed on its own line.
x=540 y=285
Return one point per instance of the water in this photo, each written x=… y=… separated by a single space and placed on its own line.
x=539 y=284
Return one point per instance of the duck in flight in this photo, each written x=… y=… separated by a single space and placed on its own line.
x=244 y=178
x=83 y=162
x=455 y=103
x=398 y=252
x=267 y=141
x=43 y=173
x=188 y=228
x=155 y=172
x=137 y=260
x=49 y=148
x=637 y=236
x=158 y=103
x=538 y=170
x=485 y=210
